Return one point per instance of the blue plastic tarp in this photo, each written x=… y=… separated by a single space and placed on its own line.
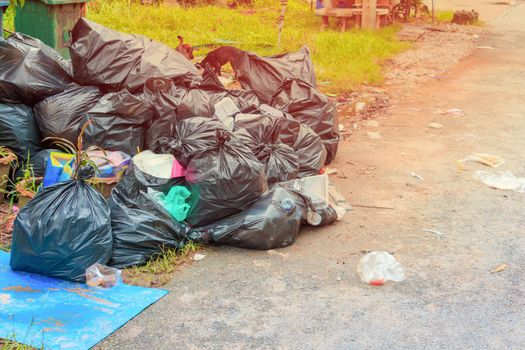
x=55 y=314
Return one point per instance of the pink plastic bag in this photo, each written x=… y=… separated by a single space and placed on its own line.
x=177 y=170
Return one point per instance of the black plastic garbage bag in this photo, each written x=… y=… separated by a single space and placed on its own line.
x=308 y=105
x=192 y=137
x=30 y=70
x=263 y=75
x=181 y=103
x=18 y=130
x=272 y=222
x=118 y=122
x=174 y=103
x=262 y=135
x=62 y=115
x=62 y=231
x=115 y=61
x=282 y=129
x=224 y=174
x=142 y=228
x=164 y=118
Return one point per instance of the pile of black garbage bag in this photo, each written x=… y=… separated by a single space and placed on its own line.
x=142 y=95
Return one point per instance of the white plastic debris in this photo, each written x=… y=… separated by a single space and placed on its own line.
x=359 y=106
x=372 y=123
x=435 y=125
x=503 y=180
x=340 y=212
x=198 y=257
x=455 y=111
x=486 y=159
x=375 y=268
x=330 y=171
x=98 y=275
x=374 y=135
x=224 y=110
x=433 y=232
x=158 y=165
x=413 y=174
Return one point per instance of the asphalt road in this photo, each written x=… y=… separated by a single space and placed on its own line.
x=308 y=296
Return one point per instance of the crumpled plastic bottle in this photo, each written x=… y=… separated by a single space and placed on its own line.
x=375 y=268
x=98 y=275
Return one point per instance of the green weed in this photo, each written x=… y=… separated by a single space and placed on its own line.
x=11 y=343
x=158 y=271
x=443 y=16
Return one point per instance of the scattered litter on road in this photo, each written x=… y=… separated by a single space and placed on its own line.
x=359 y=106
x=435 y=125
x=372 y=206
x=330 y=171
x=374 y=135
x=416 y=175
x=433 y=231
x=452 y=111
x=486 y=159
x=341 y=127
x=498 y=268
x=503 y=180
x=198 y=257
x=485 y=47
x=338 y=199
x=375 y=268
x=455 y=111
x=372 y=123
x=275 y=252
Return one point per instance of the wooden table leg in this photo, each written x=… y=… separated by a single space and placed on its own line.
x=344 y=24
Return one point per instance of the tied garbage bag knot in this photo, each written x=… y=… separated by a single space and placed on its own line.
x=223 y=137
x=86 y=172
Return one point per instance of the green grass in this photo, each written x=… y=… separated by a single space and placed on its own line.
x=157 y=272
x=345 y=59
x=8 y=344
x=9 y=19
x=444 y=15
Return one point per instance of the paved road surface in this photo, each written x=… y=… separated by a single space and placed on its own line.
x=308 y=296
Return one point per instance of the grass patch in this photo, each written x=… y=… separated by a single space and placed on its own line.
x=158 y=272
x=9 y=20
x=444 y=15
x=12 y=344
x=344 y=59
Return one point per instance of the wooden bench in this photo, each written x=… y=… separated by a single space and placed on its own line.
x=356 y=13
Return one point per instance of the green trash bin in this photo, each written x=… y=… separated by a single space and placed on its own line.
x=50 y=20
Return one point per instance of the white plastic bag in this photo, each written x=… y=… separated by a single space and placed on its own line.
x=158 y=165
x=98 y=275
x=376 y=268
x=503 y=180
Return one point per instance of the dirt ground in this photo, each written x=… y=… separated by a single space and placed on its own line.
x=309 y=296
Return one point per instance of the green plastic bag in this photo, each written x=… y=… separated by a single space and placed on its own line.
x=175 y=202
